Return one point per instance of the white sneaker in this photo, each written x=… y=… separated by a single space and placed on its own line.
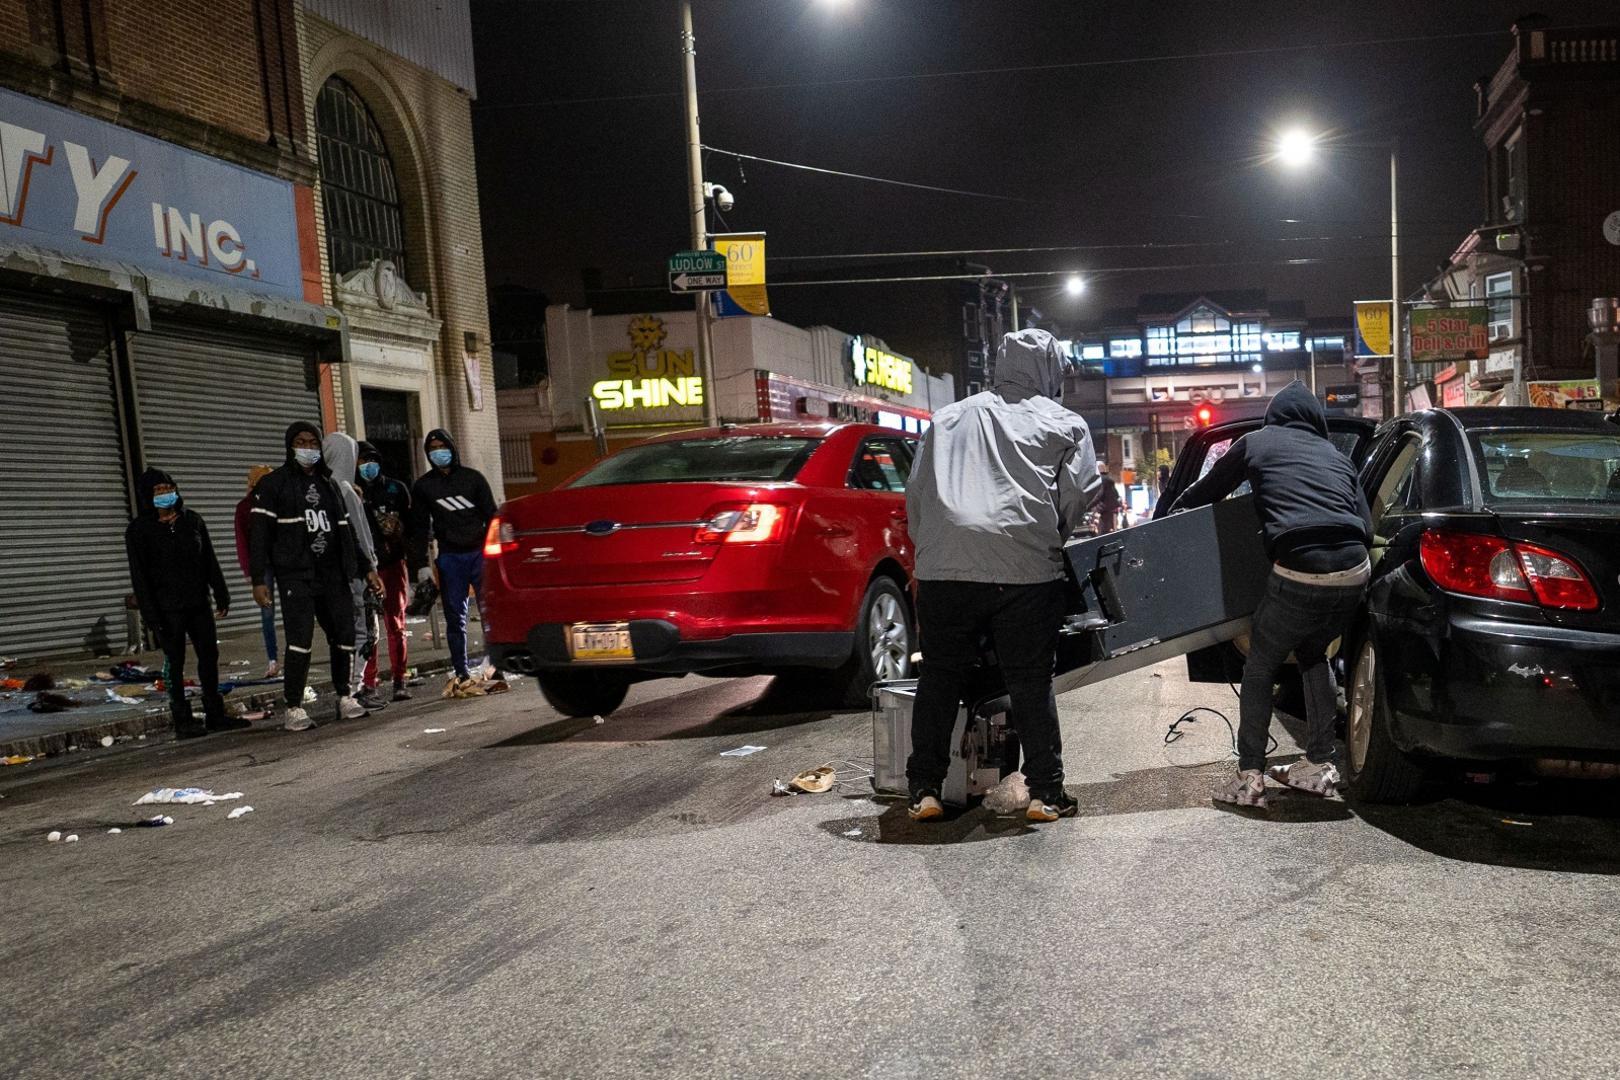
x=350 y=709
x=298 y=720
x=1303 y=775
x=1245 y=787
x=309 y=695
x=272 y=670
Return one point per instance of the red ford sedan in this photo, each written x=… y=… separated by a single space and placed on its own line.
x=741 y=550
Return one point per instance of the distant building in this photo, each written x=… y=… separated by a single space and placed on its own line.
x=1550 y=122
x=1146 y=377
x=639 y=374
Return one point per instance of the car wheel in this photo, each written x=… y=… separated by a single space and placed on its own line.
x=1376 y=770
x=885 y=637
x=583 y=693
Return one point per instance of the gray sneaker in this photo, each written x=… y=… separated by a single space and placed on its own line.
x=350 y=709
x=1245 y=787
x=298 y=720
x=1307 y=776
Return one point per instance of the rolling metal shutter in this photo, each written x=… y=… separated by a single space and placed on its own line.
x=214 y=402
x=64 y=502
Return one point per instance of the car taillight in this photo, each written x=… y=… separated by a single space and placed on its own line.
x=499 y=539
x=1497 y=569
x=743 y=523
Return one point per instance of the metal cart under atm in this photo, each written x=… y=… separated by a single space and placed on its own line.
x=1162 y=589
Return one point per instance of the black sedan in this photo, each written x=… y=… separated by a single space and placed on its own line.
x=1492 y=623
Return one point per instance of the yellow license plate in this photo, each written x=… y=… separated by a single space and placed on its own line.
x=600 y=641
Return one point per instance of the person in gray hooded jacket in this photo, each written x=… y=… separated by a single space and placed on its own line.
x=1002 y=479
x=341 y=454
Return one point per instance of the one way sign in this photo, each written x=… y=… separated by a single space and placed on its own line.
x=697 y=271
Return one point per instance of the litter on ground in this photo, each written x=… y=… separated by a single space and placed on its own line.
x=852 y=832
x=741 y=751
x=155 y=822
x=189 y=795
x=114 y=832
x=71 y=838
x=53 y=836
x=239 y=811
x=16 y=759
x=433 y=731
x=106 y=740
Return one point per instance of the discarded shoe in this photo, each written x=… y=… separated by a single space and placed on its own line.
x=496 y=686
x=1245 y=787
x=814 y=781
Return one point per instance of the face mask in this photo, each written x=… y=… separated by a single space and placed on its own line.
x=166 y=500
x=441 y=457
x=307 y=458
x=369 y=471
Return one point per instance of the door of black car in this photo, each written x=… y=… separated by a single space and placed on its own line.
x=1350 y=434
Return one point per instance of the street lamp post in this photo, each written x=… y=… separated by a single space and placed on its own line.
x=700 y=221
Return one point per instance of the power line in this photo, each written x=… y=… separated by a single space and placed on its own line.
x=862 y=176
x=1144 y=246
x=1221 y=54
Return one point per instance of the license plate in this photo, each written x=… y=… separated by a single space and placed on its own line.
x=600 y=641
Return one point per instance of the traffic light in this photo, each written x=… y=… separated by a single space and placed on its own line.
x=1206 y=416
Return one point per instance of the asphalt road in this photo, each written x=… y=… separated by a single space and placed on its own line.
x=514 y=897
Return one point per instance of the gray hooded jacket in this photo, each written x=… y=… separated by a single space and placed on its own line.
x=1003 y=477
x=342 y=454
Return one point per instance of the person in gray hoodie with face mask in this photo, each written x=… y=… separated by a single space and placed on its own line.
x=1002 y=479
x=342 y=455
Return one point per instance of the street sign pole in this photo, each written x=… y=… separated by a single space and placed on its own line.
x=700 y=223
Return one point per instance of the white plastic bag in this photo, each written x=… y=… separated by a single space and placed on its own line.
x=1009 y=796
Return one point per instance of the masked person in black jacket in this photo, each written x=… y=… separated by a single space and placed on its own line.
x=452 y=504
x=1317 y=530
x=174 y=572
x=302 y=532
x=388 y=506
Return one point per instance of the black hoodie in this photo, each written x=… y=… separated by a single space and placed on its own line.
x=1311 y=507
x=388 y=506
x=171 y=563
x=452 y=508
x=299 y=524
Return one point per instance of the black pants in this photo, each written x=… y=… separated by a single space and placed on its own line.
x=1302 y=619
x=198 y=625
x=1023 y=623
x=303 y=604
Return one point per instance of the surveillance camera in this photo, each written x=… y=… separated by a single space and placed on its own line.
x=723 y=199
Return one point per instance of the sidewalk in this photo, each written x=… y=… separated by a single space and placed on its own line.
x=241 y=660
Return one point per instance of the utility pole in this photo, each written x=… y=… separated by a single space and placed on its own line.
x=700 y=220
x=1397 y=405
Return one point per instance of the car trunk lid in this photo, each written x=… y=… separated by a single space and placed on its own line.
x=1589 y=538
x=624 y=534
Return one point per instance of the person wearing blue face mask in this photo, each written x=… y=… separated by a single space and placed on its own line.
x=388 y=508
x=451 y=504
x=179 y=589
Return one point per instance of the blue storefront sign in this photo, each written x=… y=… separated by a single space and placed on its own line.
x=87 y=188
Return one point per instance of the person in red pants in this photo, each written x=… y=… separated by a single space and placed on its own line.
x=388 y=505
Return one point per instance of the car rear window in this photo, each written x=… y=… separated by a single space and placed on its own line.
x=1548 y=466
x=740 y=458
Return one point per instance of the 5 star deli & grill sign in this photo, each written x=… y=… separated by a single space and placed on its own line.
x=648 y=376
x=1449 y=333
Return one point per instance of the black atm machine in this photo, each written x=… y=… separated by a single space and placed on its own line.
x=1146 y=594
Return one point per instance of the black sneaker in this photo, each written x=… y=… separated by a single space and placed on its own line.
x=1051 y=805
x=229 y=723
x=401 y=693
x=190 y=731
x=925 y=805
x=372 y=700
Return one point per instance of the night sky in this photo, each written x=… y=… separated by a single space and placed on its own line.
x=1158 y=152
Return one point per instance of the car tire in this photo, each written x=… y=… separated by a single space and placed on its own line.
x=1376 y=770
x=885 y=638
x=583 y=693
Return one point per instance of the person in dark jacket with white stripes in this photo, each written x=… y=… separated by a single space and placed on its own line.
x=302 y=532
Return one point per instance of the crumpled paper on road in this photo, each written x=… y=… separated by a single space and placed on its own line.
x=188 y=795
x=1009 y=796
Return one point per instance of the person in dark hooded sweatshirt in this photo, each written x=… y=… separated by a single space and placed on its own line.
x=302 y=533
x=1002 y=479
x=452 y=504
x=179 y=589
x=1317 y=530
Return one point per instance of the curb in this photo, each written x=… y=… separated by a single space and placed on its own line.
x=130 y=726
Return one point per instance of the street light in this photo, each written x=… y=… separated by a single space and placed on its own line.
x=1075 y=285
x=1295 y=148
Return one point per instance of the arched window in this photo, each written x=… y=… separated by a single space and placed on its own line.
x=358 y=189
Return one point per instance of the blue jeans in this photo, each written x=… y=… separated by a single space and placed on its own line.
x=458 y=572
x=267 y=618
